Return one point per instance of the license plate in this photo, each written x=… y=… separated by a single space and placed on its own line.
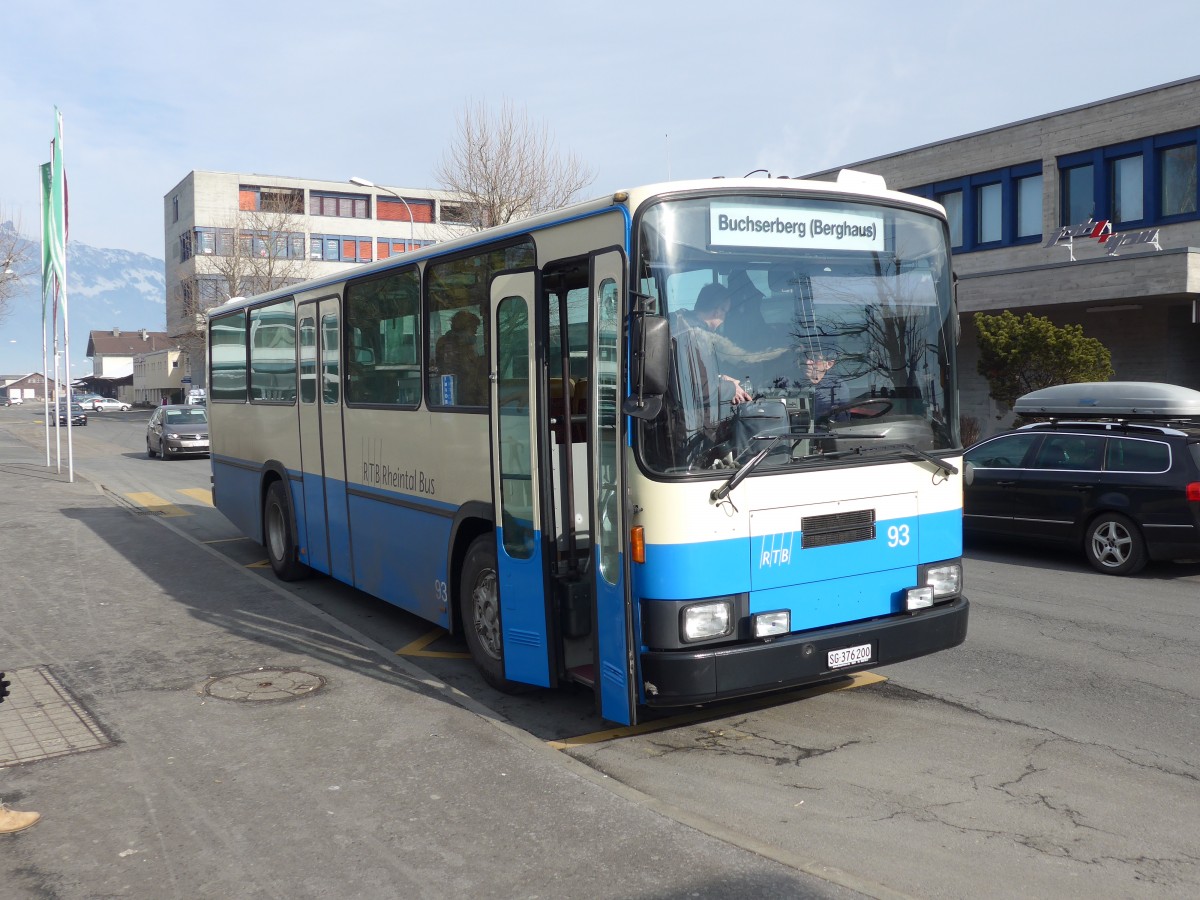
x=849 y=656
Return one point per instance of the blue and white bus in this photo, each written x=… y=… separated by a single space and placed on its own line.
x=533 y=436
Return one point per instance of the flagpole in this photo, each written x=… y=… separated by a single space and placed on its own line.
x=45 y=175
x=58 y=258
x=60 y=199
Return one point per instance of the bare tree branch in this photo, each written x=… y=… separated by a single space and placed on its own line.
x=505 y=165
x=15 y=260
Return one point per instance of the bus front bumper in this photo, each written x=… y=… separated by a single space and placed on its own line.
x=685 y=677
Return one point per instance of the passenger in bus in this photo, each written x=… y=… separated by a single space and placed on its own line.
x=456 y=355
x=700 y=384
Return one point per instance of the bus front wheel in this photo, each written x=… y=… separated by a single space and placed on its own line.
x=279 y=535
x=479 y=609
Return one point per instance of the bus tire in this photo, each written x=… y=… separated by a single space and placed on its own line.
x=279 y=535
x=479 y=609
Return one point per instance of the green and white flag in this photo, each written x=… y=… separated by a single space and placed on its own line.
x=47 y=269
x=56 y=228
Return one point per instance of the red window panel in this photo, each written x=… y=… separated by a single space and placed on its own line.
x=348 y=248
x=364 y=251
x=383 y=249
x=248 y=200
x=391 y=210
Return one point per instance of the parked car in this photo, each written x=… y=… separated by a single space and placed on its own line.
x=177 y=430
x=13 y=401
x=78 y=415
x=1123 y=490
x=105 y=404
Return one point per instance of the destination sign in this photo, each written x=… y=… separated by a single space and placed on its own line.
x=793 y=227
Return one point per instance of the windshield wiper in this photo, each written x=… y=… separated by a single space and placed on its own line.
x=905 y=448
x=719 y=494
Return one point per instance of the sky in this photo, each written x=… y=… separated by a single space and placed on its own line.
x=640 y=91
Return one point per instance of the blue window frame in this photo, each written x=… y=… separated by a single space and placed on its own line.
x=991 y=209
x=1136 y=184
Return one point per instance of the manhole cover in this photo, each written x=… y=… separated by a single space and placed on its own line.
x=264 y=684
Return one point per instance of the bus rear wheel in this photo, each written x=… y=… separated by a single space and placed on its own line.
x=279 y=535
x=479 y=611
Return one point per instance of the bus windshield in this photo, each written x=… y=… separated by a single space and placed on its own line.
x=822 y=328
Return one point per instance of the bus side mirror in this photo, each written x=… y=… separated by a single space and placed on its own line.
x=650 y=339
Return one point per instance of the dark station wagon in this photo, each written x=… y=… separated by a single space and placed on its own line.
x=1119 y=478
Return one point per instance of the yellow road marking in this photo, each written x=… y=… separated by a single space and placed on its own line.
x=157 y=505
x=857 y=680
x=261 y=564
x=417 y=647
x=225 y=540
x=202 y=494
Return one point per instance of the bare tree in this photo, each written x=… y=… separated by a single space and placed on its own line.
x=505 y=166
x=14 y=262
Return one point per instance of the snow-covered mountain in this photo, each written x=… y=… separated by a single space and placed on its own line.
x=105 y=289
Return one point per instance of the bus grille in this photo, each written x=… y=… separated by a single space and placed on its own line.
x=838 y=528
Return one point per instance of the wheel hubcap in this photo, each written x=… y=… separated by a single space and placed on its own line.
x=1111 y=544
x=275 y=531
x=485 y=613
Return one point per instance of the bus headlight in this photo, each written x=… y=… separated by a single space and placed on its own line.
x=701 y=621
x=769 y=624
x=945 y=578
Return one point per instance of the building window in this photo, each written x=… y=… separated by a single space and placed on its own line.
x=1177 y=173
x=461 y=213
x=1029 y=206
x=1078 y=194
x=988 y=213
x=1125 y=186
x=953 y=202
x=175 y=208
x=344 y=206
x=389 y=209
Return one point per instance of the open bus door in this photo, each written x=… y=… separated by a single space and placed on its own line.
x=557 y=481
x=516 y=487
x=615 y=637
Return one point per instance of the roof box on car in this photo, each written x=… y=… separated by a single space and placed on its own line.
x=1112 y=399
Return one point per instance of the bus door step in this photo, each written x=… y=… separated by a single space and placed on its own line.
x=585 y=674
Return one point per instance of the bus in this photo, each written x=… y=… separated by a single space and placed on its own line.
x=687 y=442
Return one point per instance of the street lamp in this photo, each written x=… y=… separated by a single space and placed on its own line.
x=412 y=233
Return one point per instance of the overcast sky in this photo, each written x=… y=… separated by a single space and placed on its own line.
x=640 y=90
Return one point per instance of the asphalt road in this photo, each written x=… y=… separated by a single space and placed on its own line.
x=1055 y=754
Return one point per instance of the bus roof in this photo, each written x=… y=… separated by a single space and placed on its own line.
x=849 y=183
x=1112 y=399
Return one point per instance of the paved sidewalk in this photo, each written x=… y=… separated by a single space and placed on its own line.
x=368 y=779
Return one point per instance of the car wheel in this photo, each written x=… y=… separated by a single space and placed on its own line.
x=479 y=609
x=279 y=535
x=150 y=450
x=1114 y=545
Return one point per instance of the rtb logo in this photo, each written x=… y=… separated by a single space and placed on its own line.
x=776 y=550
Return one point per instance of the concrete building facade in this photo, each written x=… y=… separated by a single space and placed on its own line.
x=1088 y=216
x=237 y=234
x=160 y=375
